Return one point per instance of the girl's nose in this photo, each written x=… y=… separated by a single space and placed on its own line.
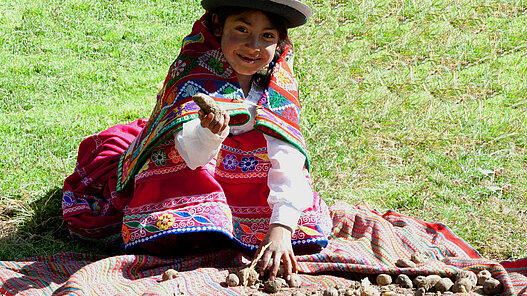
x=254 y=43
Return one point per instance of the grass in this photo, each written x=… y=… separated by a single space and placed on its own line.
x=416 y=106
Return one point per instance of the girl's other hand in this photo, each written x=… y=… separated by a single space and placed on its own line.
x=216 y=128
x=279 y=251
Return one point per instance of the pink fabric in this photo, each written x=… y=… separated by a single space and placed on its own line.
x=89 y=205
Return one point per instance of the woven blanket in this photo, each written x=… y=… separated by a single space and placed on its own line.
x=364 y=242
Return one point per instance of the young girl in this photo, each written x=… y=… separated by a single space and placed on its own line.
x=179 y=183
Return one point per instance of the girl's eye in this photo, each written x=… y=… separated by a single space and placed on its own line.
x=241 y=29
x=268 y=35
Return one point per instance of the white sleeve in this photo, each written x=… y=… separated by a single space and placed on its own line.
x=198 y=145
x=290 y=191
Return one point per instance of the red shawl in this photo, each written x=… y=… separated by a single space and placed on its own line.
x=202 y=67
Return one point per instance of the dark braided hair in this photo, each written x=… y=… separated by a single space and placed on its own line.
x=261 y=79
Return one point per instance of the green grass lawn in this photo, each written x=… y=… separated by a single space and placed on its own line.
x=416 y=106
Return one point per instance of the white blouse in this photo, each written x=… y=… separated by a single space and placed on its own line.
x=290 y=192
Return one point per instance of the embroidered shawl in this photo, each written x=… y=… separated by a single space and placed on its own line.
x=202 y=67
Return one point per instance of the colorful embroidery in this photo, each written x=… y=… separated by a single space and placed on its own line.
x=285 y=80
x=257 y=211
x=68 y=199
x=95 y=207
x=263 y=99
x=290 y=113
x=143 y=169
x=177 y=68
x=248 y=164
x=165 y=221
x=192 y=39
x=159 y=157
x=140 y=228
x=181 y=67
x=230 y=92
x=161 y=171
x=126 y=233
x=74 y=209
x=276 y=100
x=240 y=162
x=177 y=202
x=230 y=162
x=174 y=155
x=216 y=65
x=189 y=91
x=215 y=62
x=240 y=176
x=248 y=236
x=227 y=148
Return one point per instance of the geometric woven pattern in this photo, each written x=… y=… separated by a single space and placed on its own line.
x=364 y=242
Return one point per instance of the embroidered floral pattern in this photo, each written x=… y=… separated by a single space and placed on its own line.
x=230 y=162
x=126 y=233
x=174 y=155
x=290 y=113
x=190 y=90
x=248 y=164
x=159 y=157
x=216 y=65
x=177 y=68
x=165 y=221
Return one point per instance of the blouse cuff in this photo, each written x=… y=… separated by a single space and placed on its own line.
x=286 y=215
x=198 y=145
x=208 y=138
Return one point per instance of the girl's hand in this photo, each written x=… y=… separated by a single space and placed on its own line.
x=280 y=250
x=219 y=127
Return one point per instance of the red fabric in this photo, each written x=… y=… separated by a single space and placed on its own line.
x=228 y=196
x=437 y=228
x=519 y=266
x=92 y=185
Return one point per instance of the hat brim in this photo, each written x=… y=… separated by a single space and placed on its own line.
x=294 y=12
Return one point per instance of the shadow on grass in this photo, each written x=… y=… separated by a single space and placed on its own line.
x=43 y=232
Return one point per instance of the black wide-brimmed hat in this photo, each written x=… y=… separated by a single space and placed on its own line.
x=294 y=12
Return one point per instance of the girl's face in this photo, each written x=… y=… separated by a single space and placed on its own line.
x=248 y=41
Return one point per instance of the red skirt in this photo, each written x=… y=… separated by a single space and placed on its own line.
x=228 y=196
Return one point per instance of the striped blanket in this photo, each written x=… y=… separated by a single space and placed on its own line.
x=364 y=242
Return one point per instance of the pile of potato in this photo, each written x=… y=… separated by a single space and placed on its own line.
x=384 y=284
